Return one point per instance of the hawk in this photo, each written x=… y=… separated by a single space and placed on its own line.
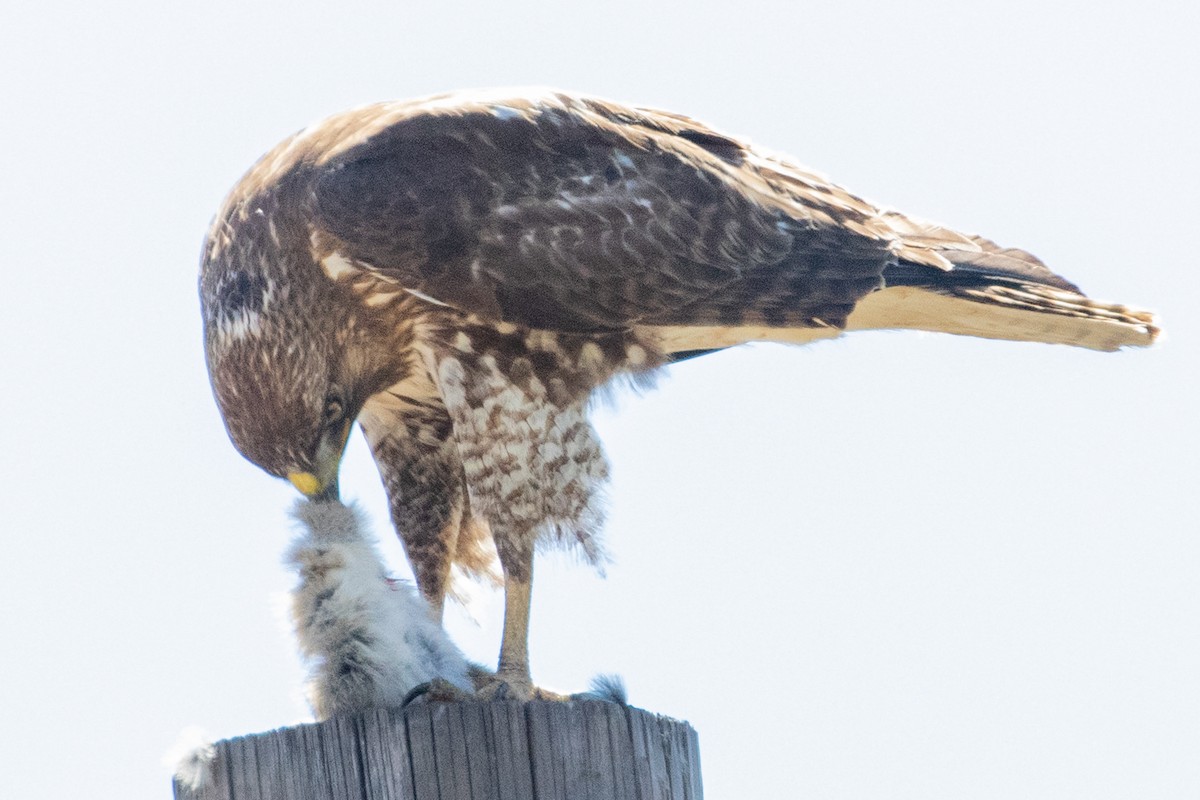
x=458 y=274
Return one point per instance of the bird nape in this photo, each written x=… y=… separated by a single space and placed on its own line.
x=457 y=274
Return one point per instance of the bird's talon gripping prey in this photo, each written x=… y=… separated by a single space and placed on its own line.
x=500 y=688
x=497 y=690
x=459 y=273
x=438 y=690
x=415 y=693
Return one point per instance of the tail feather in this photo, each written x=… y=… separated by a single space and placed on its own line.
x=1006 y=309
x=958 y=283
x=950 y=282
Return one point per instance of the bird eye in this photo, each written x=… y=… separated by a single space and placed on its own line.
x=334 y=409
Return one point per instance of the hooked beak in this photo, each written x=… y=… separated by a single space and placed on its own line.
x=322 y=483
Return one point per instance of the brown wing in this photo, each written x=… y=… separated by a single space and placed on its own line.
x=576 y=214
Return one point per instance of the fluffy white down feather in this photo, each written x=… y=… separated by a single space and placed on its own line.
x=369 y=640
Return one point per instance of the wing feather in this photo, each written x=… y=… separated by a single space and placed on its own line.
x=577 y=214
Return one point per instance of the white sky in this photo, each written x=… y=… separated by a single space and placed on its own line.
x=897 y=565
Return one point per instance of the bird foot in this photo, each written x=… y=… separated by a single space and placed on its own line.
x=518 y=688
x=489 y=686
x=436 y=690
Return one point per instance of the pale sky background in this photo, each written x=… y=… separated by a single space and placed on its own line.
x=894 y=566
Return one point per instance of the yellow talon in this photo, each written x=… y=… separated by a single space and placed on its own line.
x=306 y=482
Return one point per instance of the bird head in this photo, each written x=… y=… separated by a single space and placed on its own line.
x=281 y=356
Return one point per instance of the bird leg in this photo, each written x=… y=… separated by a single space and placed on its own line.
x=531 y=461
x=512 y=679
x=513 y=668
x=433 y=573
x=427 y=496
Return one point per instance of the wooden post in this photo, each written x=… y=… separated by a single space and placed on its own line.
x=574 y=750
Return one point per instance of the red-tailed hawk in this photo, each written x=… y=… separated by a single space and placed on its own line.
x=459 y=273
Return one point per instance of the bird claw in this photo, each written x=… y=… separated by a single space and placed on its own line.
x=500 y=688
x=436 y=690
x=492 y=687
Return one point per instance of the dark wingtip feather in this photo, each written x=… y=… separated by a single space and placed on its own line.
x=976 y=270
x=1009 y=262
x=926 y=250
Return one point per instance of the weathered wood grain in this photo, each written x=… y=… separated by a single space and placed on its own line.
x=576 y=750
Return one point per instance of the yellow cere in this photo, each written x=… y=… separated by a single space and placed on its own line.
x=306 y=482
